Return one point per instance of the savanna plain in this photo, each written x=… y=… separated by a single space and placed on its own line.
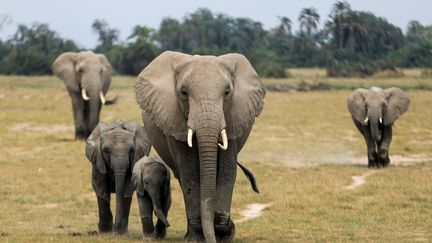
x=304 y=150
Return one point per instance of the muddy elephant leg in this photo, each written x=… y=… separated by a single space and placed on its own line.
x=227 y=170
x=146 y=214
x=78 y=106
x=105 y=216
x=384 y=145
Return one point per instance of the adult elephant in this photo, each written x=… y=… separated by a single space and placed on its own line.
x=216 y=99
x=374 y=111
x=87 y=77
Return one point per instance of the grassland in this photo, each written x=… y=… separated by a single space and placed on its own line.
x=303 y=150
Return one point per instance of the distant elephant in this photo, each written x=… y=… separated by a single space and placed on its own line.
x=216 y=98
x=151 y=178
x=87 y=77
x=113 y=150
x=374 y=111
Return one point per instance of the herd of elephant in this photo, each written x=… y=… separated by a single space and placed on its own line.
x=198 y=112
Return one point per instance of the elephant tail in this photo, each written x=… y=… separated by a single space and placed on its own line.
x=111 y=101
x=250 y=176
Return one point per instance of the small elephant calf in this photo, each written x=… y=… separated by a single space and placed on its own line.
x=151 y=178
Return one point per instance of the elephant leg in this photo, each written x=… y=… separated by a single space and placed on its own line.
x=78 y=107
x=105 y=216
x=146 y=214
x=160 y=228
x=227 y=170
x=384 y=145
x=371 y=148
x=125 y=220
x=191 y=194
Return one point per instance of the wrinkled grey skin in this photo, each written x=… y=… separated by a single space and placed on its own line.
x=367 y=107
x=207 y=94
x=151 y=179
x=91 y=72
x=113 y=150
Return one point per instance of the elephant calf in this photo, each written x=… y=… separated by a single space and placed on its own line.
x=151 y=179
x=374 y=111
x=113 y=150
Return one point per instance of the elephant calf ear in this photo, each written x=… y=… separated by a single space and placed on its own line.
x=93 y=149
x=106 y=72
x=137 y=177
x=142 y=141
x=356 y=105
x=64 y=68
x=397 y=104
x=247 y=98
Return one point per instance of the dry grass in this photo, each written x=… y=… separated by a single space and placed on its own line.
x=45 y=192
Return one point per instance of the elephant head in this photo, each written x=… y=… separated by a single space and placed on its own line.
x=87 y=73
x=116 y=147
x=376 y=106
x=211 y=97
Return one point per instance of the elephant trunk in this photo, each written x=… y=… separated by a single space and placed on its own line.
x=374 y=123
x=157 y=206
x=120 y=206
x=94 y=108
x=207 y=132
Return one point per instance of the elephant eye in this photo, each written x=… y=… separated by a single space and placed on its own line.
x=80 y=70
x=227 y=91
x=101 y=71
x=106 y=150
x=131 y=151
x=184 y=93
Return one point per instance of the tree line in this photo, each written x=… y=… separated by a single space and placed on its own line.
x=350 y=43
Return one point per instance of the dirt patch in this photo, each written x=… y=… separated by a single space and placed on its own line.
x=252 y=211
x=359 y=180
x=29 y=127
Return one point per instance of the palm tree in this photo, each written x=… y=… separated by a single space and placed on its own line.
x=285 y=26
x=309 y=19
x=107 y=36
x=338 y=16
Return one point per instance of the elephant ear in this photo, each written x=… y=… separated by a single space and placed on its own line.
x=106 y=72
x=397 y=104
x=64 y=68
x=356 y=105
x=156 y=95
x=247 y=98
x=137 y=177
x=142 y=141
x=93 y=149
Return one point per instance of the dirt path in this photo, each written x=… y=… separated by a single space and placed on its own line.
x=359 y=180
x=251 y=211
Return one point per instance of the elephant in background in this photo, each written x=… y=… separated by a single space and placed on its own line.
x=87 y=77
x=210 y=102
x=374 y=111
x=151 y=178
x=113 y=150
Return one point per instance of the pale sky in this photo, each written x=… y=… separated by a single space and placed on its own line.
x=73 y=19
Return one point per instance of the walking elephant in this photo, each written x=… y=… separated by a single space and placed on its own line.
x=87 y=77
x=198 y=112
x=374 y=111
x=113 y=149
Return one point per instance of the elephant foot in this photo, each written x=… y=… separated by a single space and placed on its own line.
x=147 y=226
x=120 y=229
x=225 y=233
x=105 y=227
x=373 y=161
x=194 y=231
x=384 y=158
x=160 y=230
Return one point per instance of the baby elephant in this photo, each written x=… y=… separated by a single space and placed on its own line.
x=151 y=178
x=113 y=150
x=374 y=111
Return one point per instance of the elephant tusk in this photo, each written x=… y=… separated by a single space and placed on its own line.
x=380 y=120
x=189 y=137
x=102 y=98
x=366 y=119
x=84 y=94
x=224 y=144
